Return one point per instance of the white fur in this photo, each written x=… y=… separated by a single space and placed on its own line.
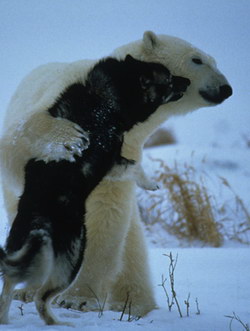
x=115 y=261
x=131 y=172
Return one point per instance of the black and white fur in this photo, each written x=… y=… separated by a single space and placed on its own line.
x=46 y=243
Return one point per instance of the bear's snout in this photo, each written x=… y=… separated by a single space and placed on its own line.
x=216 y=96
x=225 y=91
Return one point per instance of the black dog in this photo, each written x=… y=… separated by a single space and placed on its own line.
x=46 y=243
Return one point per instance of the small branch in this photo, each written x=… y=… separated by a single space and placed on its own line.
x=21 y=309
x=171 y=270
x=197 y=307
x=128 y=303
x=124 y=307
x=170 y=302
x=130 y=317
x=187 y=304
x=236 y=318
x=100 y=305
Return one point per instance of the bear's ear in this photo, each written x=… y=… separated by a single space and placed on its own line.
x=150 y=40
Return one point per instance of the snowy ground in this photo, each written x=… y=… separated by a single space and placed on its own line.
x=217 y=277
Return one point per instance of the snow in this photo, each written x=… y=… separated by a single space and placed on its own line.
x=218 y=278
x=211 y=139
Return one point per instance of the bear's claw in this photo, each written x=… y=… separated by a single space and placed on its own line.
x=79 y=303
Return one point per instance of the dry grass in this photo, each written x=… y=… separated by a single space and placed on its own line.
x=236 y=217
x=184 y=205
x=234 y=317
x=185 y=208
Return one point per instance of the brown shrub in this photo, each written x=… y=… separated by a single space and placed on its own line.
x=184 y=205
x=236 y=217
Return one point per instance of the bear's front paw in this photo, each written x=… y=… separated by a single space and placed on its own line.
x=135 y=310
x=79 y=303
x=77 y=143
x=63 y=141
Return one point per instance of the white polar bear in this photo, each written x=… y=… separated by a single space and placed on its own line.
x=115 y=266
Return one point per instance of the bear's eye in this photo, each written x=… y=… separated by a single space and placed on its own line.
x=197 y=60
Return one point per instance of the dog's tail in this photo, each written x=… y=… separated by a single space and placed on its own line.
x=27 y=264
x=2 y=258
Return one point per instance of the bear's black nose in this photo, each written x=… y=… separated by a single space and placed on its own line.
x=225 y=91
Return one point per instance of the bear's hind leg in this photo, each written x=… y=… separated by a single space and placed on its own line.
x=134 y=282
x=107 y=225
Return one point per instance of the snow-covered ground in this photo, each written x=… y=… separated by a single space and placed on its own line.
x=217 y=277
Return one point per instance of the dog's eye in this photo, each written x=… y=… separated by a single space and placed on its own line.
x=197 y=61
x=167 y=80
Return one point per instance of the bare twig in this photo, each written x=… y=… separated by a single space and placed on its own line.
x=187 y=304
x=170 y=302
x=131 y=317
x=21 y=309
x=100 y=305
x=237 y=318
x=124 y=307
x=197 y=307
x=171 y=270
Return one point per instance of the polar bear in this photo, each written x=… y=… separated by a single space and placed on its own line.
x=115 y=268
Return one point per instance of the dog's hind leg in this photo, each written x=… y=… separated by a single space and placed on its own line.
x=43 y=298
x=5 y=299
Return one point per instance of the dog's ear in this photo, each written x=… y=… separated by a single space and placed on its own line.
x=129 y=59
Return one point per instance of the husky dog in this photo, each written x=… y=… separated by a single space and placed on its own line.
x=46 y=243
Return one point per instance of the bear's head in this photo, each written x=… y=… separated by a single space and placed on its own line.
x=208 y=85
